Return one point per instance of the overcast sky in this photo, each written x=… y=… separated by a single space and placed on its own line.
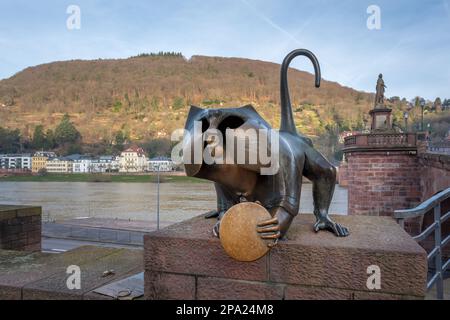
x=411 y=49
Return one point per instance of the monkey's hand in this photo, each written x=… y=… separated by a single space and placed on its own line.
x=324 y=222
x=276 y=227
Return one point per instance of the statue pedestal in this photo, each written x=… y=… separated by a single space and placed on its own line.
x=185 y=261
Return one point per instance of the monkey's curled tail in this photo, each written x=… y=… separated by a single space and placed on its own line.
x=287 y=117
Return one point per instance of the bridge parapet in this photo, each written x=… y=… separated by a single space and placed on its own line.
x=377 y=141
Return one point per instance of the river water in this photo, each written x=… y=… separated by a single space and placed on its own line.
x=135 y=201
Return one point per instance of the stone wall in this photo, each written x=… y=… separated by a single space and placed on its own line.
x=434 y=173
x=20 y=228
x=185 y=261
x=342 y=175
x=380 y=182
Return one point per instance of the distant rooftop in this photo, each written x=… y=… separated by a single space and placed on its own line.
x=160 y=158
x=138 y=150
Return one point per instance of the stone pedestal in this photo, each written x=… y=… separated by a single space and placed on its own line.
x=185 y=261
x=20 y=228
x=381 y=118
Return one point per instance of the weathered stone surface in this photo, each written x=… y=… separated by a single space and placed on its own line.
x=434 y=173
x=323 y=260
x=19 y=268
x=225 y=289
x=380 y=182
x=25 y=275
x=190 y=248
x=124 y=262
x=165 y=286
x=304 y=264
x=343 y=175
x=20 y=228
x=296 y=292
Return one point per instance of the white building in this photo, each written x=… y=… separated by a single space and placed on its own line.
x=163 y=163
x=47 y=154
x=133 y=160
x=105 y=164
x=15 y=161
x=59 y=165
x=81 y=165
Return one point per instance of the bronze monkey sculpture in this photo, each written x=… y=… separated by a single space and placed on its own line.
x=278 y=193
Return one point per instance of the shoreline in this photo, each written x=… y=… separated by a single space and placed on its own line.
x=100 y=178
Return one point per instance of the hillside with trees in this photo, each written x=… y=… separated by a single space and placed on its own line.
x=142 y=99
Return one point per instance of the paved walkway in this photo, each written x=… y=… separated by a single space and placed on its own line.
x=112 y=231
x=43 y=276
x=54 y=245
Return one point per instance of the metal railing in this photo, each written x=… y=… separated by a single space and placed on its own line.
x=434 y=203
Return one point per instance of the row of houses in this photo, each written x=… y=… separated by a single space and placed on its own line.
x=131 y=160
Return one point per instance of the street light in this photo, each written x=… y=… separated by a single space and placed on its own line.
x=406 y=116
x=157 y=201
x=422 y=105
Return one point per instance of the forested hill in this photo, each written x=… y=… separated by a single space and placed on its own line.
x=148 y=96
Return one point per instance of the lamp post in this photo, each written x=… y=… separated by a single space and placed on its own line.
x=422 y=106
x=406 y=116
x=157 y=203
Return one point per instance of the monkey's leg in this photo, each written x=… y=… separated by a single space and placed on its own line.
x=323 y=176
x=225 y=200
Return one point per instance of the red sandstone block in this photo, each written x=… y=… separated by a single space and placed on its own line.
x=320 y=293
x=226 y=289
x=14 y=237
x=25 y=220
x=31 y=227
x=14 y=222
x=306 y=259
x=11 y=229
x=17 y=245
x=316 y=293
x=176 y=249
x=29 y=211
x=33 y=237
x=165 y=286
x=32 y=247
x=322 y=263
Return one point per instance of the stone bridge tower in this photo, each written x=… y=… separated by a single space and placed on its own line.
x=382 y=167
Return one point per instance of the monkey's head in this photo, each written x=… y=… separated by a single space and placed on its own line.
x=202 y=125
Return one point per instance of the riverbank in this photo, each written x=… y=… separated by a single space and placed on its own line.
x=86 y=177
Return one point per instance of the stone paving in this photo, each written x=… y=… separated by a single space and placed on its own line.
x=116 y=231
x=25 y=275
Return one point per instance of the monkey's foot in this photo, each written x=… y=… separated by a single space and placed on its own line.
x=327 y=224
x=212 y=214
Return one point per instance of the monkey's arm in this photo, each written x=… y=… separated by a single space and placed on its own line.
x=284 y=198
